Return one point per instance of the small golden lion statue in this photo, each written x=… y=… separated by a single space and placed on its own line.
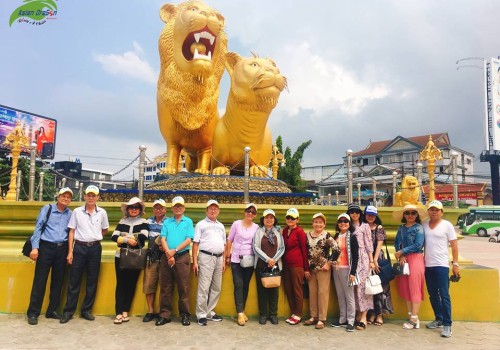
x=256 y=84
x=192 y=48
x=410 y=192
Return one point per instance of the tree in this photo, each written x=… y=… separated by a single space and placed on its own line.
x=290 y=173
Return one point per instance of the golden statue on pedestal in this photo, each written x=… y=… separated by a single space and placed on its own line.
x=410 y=192
x=256 y=84
x=17 y=140
x=192 y=48
x=430 y=154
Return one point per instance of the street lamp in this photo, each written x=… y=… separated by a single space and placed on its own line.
x=349 y=176
x=454 y=156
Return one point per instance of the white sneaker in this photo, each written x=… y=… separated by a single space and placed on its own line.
x=446 y=333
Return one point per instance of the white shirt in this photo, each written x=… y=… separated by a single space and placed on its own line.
x=211 y=236
x=88 y=227
x=436 y=243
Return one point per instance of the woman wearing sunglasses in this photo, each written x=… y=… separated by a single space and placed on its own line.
x=241 y=259
x=409 y=249
x=344 y=272
x=131 y=232
x=296 y=265
x=363 y=233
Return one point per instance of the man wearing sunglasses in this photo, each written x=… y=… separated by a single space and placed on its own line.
x=439 y=234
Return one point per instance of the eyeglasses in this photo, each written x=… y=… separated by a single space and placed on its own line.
x=135 y=207
x=290 y=218
x=342 y=222
x=355 y=212
x=410 y=213
x=250 y=211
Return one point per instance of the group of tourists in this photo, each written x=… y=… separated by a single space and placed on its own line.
x=306 y=262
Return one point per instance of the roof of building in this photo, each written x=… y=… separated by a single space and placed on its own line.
x=441 y=140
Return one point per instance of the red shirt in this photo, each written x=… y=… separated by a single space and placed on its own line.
x=295 y=248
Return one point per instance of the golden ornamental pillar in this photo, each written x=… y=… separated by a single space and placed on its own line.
x=17 y=140
x=430 y=154
x=276 y=159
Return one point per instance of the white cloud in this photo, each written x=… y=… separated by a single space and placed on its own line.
x=321 y=85
x=129 y=64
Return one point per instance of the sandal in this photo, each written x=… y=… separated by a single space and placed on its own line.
x=118 y=319
x=294 y=320
x=360 y=326
x=126 y=318
x=379 y=320
x=413 y=323
x=320 y=325
x=311 y=321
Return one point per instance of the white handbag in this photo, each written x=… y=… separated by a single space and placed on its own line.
x=373 y=285
x=406 y=269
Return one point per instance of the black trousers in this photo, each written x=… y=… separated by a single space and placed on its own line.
x=126 y=281
x=267 y=297
x=86 y=259
x=241 y=281
x=50 y=256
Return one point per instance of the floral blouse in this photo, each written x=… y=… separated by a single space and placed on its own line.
x=320 y=249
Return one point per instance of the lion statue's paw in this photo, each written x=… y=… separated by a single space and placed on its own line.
x=202 y=171
x=221 y=170
x=259 y=171
x=170 y=170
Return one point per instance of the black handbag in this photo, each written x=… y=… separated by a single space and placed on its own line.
x=133 y=259
x=397 y=269
x=385 y=267
x=27 y=247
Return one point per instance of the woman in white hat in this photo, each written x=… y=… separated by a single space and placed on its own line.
x=344 y=272
x=131 y=232
x=409 y=244
x=241 y=259
x=269 y=247
x=320 y=247
x=296 y=265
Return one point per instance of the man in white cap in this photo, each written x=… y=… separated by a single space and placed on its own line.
x=49 y=249
x=439 y=234
x=152 y=270
x=87 y=226
x=176 y=236
x=208 y=263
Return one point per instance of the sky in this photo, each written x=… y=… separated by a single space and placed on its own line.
x=358 y=71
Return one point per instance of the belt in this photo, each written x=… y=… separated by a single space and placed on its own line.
x=178 y=255
x=87 y=244
x=53 y=244
x=212 y=254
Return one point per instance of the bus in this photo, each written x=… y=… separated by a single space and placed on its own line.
x=482 y=220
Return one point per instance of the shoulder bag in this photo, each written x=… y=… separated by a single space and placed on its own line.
x=27 y=247
x=385 y=267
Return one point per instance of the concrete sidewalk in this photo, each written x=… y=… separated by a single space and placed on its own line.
x=103 y=334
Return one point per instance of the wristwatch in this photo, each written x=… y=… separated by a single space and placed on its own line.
x=455 y=263
x=176 y=250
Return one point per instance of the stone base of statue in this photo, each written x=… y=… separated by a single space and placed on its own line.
x=195 y=182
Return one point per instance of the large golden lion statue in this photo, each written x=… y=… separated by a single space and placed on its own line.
x=410 y=192
x=256 y=84
x=192 y=48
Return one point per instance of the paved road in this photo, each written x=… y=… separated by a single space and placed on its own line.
x=103 y=334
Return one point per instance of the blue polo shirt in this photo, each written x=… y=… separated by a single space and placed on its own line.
x=176 y=232
x=56 y=230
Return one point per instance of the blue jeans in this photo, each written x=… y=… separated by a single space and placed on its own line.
x=438 y=285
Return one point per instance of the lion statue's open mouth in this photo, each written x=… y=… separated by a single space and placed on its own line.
x=199 y=45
